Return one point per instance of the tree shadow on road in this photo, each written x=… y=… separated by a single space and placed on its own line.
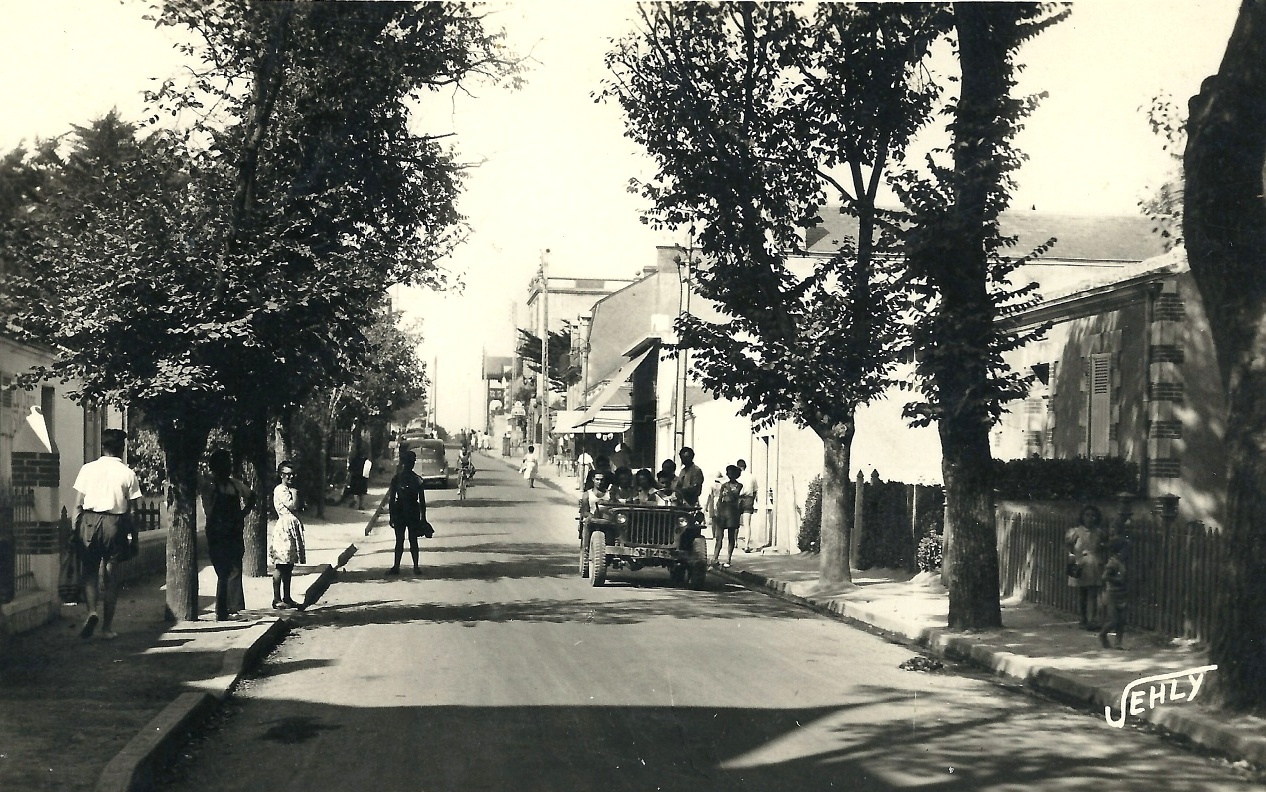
x=881 y=738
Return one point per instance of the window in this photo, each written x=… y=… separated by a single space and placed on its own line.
x=1099 y=398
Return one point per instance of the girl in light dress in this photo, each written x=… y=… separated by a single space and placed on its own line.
x=285 y=537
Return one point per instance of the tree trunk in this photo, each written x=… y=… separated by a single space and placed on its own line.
x=970 y=554
x=251 y=443
x=837 y=504
x=183 y=446
x=1225 y=231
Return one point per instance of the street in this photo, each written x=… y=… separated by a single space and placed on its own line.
x=499 y=668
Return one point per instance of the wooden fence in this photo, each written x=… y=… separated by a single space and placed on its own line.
x=1171 y=568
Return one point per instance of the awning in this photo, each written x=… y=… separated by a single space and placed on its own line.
x=573 y=422
x=613 y=387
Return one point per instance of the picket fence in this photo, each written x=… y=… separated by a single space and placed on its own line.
x=1171 y=569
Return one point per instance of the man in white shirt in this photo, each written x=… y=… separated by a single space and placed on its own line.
x=107 y=490
x=747 y=503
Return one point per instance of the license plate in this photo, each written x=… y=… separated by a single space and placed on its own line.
x=649 y=552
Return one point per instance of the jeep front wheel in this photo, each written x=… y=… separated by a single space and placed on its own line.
x=597 y=558
x=699 y=564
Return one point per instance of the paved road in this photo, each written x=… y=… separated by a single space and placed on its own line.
x=500 y=669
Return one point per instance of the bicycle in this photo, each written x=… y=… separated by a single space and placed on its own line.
x=461 y=485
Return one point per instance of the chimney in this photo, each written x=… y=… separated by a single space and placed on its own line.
x=666 y=258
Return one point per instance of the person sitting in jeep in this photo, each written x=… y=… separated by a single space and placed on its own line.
x=623 y=490
x=600 y=492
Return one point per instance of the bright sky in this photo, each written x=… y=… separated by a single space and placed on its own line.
x=556 y=165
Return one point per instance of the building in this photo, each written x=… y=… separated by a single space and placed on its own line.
x=45 y=437
x=561 y=304
x=1126 y=370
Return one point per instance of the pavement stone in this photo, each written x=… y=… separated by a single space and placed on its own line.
x=1041 y=648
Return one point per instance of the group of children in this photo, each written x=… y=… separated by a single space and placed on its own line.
x=727 y=502
x=1097 y=568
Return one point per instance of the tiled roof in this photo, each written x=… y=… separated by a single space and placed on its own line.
x=1078 y=237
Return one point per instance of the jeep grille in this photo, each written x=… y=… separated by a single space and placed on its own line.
x=652 y=527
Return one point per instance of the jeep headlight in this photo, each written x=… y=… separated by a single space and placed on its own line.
x=621 y=518
x=683 y=522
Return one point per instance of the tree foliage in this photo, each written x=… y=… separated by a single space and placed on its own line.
x=754 y=114
x=563 y=373
x=232 y=270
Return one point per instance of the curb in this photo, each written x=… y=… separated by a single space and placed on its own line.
x=133 y=768
x=1196 y=726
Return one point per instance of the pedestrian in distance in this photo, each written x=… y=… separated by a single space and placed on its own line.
x=1114 y=592
x=710 y=502
x=688 y=486
x=747 y=504
x=406 y=509
x=285 y=537
x=726 y=510
x=225 y=504
x=528 y=468
x=358 y=470
x=104 y=531
x=584 y=464
x=1085 y=563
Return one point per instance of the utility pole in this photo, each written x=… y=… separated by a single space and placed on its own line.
x=683 y=357
x=542 y=398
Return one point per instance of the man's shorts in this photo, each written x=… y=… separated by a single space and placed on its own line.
x=104 y=536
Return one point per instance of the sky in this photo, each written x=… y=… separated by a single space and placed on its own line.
x=554 y=165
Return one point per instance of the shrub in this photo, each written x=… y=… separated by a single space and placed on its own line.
x=810 y=538
x=1064 y=479
x=929 y=554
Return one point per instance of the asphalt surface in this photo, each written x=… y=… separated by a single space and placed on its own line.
x=499 y=668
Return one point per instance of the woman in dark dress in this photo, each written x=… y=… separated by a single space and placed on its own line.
x=226 y=502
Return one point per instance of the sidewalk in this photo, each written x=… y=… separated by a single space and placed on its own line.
x=104 y=715
x=1041 y=648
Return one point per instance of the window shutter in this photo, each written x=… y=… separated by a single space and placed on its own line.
x=1100 y=395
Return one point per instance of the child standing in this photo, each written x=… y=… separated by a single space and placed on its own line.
x=1114 y=592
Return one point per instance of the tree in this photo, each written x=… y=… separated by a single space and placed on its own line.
x=334 y=197
x=1225 y=228
x=749 y=112
x=954 y=252
x=562 y=372
x=1164 y=206
x=230 y=271
x=112 y=265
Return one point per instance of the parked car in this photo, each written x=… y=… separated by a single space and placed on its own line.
x=432 y=464
x=636 y=535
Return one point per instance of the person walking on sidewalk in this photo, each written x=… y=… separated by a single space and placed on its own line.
x=1085 y=563
x=1114 y=592
x=406 y=510
x=528 y=468
x=747 y=505
x=689 y=483
x=225 y=503
x=285 y=537
x=108 y=490
x=358 y=470
x=725 y=515
x=584 y=464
